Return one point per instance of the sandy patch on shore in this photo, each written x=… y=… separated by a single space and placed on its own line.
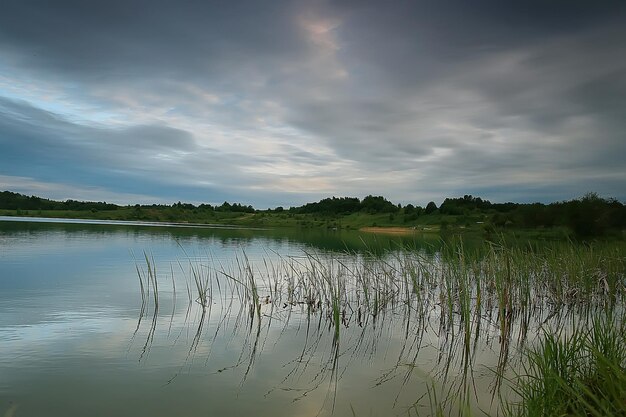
x=390 y=230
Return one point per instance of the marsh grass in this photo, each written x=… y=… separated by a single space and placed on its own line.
x=582 y=373
x=149 y=284
x=457 y=303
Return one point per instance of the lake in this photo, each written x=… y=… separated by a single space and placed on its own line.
x=132 y=319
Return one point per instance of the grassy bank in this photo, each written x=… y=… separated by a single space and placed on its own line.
x=430 y=224
x=586 y=218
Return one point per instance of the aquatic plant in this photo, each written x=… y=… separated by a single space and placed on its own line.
x=457 y=303
x=575 y=372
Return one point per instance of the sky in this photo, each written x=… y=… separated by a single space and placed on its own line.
x=280 y=103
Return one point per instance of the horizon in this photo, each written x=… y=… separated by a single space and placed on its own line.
x=217 y=204
x=290 y=102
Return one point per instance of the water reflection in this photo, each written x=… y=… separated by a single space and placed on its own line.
x=334 y=314
x=110 y=320
x=69 y=302
x=320 y=239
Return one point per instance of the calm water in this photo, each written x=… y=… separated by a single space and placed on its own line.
x=75 y=340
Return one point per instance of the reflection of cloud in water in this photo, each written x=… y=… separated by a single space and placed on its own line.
x=338 y=326
x=279 y=335
x=302 y=327
x=76 y=331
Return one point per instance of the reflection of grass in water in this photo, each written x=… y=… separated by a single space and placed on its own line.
x=11 y=410
x=495 y=298
x=147 y=280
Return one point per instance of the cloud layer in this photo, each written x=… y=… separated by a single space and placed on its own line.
x=281 y=103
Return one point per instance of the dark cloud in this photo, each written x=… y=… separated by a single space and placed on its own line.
x=297 y=100
x=131 y=40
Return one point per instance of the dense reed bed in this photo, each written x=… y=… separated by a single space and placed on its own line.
x=553 y=317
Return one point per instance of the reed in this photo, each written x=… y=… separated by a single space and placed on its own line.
x=582 y=373
x=496 y=297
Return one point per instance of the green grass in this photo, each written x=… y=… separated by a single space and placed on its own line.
x=431 y=223
x=575 y=372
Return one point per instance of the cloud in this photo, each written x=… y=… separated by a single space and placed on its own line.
x=62 y=192
x=285 y=102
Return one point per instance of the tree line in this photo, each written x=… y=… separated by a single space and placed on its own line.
x=348 y=205
x=16 y=201
x=588 y=216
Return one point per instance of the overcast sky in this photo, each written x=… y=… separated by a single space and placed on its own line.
x=285 y=102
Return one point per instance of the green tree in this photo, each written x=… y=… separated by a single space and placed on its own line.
x=430 y=207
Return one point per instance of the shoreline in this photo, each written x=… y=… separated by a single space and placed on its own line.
x=396 y=230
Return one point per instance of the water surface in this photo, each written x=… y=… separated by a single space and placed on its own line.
x=76 y=338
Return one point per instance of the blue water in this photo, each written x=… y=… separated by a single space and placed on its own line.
x=75 y=341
